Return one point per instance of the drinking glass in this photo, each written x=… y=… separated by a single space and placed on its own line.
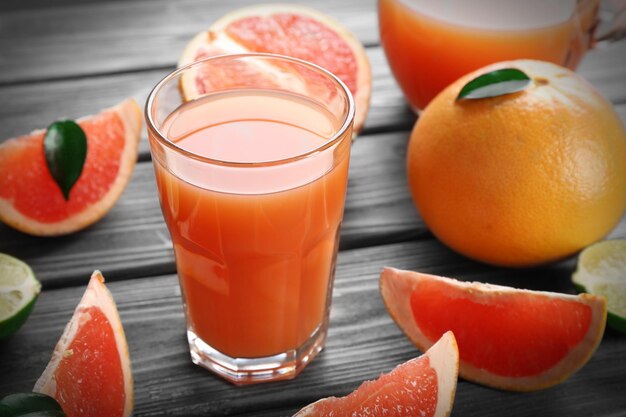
x=250 y=154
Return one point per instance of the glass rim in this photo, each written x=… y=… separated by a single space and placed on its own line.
x=335 y=138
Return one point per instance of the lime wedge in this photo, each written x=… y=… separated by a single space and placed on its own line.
x=602 y=271
x=18 y=291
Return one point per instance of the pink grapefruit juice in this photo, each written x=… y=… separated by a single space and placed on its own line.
x=255 y=233
x=431 y=44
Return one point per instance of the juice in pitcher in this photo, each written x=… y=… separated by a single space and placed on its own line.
x=252 y=183
x=429 y=44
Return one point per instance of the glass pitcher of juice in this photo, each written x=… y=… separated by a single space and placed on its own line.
x=429 y=44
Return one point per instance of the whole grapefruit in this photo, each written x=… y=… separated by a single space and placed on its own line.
x=520 y=179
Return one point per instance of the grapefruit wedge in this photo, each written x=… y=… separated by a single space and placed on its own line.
x=424 y=386
x=30 y=200
x=284 y=29
x=508 y=338
x=89 y=373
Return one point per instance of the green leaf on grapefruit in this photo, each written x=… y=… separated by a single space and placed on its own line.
x=495 y=83
x=65 y=146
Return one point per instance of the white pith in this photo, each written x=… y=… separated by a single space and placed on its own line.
x=444 y=359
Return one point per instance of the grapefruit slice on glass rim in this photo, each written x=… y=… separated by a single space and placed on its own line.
x=89 y=373
x=30 y=200
x=284 y=29
x=424 y=386
x=513 y=339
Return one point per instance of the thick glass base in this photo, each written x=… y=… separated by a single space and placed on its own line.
x=242 y=371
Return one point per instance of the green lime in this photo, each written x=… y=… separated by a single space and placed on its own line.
x=602 y=271
x=18 y=292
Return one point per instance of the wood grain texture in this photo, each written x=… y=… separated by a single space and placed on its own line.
x=70 y=58
x=112 y=37
x=132 y=239
x=36 y=105
x=116 y=37
x=362 y=343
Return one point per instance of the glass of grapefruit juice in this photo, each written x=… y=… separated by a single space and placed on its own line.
x=430 y=44
x=251 y=156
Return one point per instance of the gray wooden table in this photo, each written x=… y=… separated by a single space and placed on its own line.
x=71 y=58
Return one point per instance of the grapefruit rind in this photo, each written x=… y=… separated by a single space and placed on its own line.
x=443 y=358
x=216 y=37
x=506 y=201
x=96 y=295
x=396 y=287
x=601 y=270
x=131 y=116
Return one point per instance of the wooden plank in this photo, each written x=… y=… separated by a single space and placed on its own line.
x=113 y=37
x=31 y=5
x=34 y=106
x=120 y=36
x=132 y=239
x=362 y=343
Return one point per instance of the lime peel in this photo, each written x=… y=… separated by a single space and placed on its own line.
x=18 y=292
x=601 y=270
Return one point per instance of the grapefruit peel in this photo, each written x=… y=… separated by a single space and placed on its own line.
x=442 y=357
x=96 y=295
x=131 y=116
x=397 y=286
x=216 y=41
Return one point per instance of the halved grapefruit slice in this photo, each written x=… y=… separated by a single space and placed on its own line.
x=30 y=200
x=285 y=29
x=424 y=386
x=508 y=338
x=89 y=373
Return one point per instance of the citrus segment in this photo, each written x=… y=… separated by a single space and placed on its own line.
x=18 y=292
x=23 y=404
x=233 y=74
x=424 y=386
x=301 y=37
x=602 y=271
x=32 y=202
x=89 y=373
x=521 y=179
x=291 y=30
x=508 y=338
